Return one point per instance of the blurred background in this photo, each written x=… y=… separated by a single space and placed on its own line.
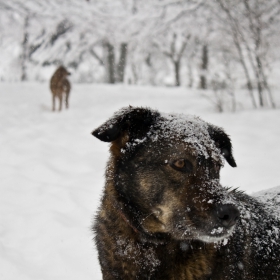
x=222 y=45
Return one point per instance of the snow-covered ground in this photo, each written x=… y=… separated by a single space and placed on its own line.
x=52 y=169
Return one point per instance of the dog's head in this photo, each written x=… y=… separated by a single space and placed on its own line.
x=62 y=72
x=165 y=169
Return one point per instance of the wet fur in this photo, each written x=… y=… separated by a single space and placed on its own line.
x=140 y=232
x=60 y=87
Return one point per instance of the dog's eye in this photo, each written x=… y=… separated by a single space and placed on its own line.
x=182 y=165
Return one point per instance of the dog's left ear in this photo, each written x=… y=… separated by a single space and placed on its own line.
x=222 y=141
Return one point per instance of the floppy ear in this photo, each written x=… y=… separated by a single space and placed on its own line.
x=129 y=123
x=222 y=141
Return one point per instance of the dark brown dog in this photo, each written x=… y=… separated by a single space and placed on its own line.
x=60 y=87
x=164 y=214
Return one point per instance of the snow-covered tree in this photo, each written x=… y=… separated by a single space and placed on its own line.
x=251 y=25
x=138 y=41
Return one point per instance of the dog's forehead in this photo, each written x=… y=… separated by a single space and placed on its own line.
x=189 y=130
x=183 y=125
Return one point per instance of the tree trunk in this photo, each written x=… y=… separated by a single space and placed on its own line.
x=203 y=82
x=244 y=65
x=122 y=62
x=204 y=67
x=177 y=72
x=260 y=92
x=270 y=96
x=190 y=73
x=24 y=50
x=259 y=80
x=134 y=73
x=110 y=63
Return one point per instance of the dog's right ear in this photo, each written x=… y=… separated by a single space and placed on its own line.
x=223 y=142
x=128 y=124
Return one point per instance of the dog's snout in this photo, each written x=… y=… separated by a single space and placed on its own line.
x=228 y=215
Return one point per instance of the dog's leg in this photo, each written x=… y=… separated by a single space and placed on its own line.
x=60 y=102
x=66 y=100
x=53 y=102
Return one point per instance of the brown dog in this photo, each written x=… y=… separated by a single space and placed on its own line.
x=164 y=214
x=60 y=87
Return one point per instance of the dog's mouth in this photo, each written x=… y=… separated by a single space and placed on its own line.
x=213 y=238
x=219 y=224
x=217 y=234
x=207 y=232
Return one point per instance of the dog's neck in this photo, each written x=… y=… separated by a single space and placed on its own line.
x=118 y=206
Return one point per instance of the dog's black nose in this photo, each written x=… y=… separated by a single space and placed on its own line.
x=228 y=215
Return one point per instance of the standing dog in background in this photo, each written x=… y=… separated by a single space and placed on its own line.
x=60 y=86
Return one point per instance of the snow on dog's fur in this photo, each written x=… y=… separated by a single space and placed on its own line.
x=164 y=214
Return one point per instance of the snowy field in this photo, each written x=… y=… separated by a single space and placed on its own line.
x=52 y=168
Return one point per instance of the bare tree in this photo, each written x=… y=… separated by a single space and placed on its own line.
x=204 y=67
x=110 y=62
x=251 y=24
x=174 y=50
x=122 y=62
x=257 y=13
x=235 y=33
x=24 y=55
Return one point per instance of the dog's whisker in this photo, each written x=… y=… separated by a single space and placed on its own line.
x=147 y=217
